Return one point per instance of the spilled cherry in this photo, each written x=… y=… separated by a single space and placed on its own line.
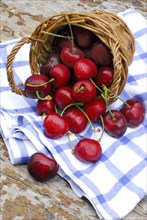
x=42 y=167
x=88 y=150
x=134 y=112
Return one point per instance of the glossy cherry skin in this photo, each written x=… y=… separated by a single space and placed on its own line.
x=52 y=60
x=104 y=77
x=38 y=83
x=85 y=69
x=115 y=127
x=76 y=119
x=41 y=167
x=95 y=108
x=101 y=54
x=63 y=97
x=69 y=56
x=45 y=106
x=134 y=114
x=84 y=91
x=84 y=37
x=61 y=75
x=55 y=126
x=88 y=150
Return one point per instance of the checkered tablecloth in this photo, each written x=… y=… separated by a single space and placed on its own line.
x=114 y=184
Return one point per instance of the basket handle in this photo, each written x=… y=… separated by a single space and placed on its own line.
x=10 y=59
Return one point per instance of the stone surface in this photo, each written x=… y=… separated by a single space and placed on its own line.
x=21 y=196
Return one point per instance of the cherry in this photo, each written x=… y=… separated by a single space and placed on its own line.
x=70 y=55
x=52 y=60
x=115 y=123
x=45 y=106
x=134 y=112
x=95 y=108
x=84 y=91
x=37 y=85
x=61 y=42
x=88 y=150
x=84 y=69
x=104 y=77
x=55 y=126
x=101 y=54
x=63 y=97
x=76 y=119
x=42 y=167
x=61 y=75
x=84 y=37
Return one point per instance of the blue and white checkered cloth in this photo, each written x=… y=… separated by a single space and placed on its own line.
x=116 y=183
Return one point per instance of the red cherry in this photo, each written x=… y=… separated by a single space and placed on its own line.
x=76 y=119
x=84 y=91
x=85 y=69
x=61 y=75
x=95 y=108
x=134 y=113
x=55 y=126
x=115 y=126
x=84 y=37
x=88 y=150
x=63 y=97
x=38 y=83
x=104 y=77
x=52 y=60
x=101 y=54
x=69 y=56
x=42 y=167
x=45 y=106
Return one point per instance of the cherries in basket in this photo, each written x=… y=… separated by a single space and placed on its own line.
x=73 y=89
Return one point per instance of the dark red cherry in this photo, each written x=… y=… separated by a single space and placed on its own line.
x=115 y=126
x=104 y=77
x=84 y=91
x=63 y=97
x=70 y=55
x=52 y=60
x=42 y=167
x=101 y=54
x=84 y=37
x=134 y=113
x=85 y=69
x=76 y=119
x=95 y=108
x=37 y=83
x=45 y=106
x=55 y=126
x=61 y=75
x=88 y=150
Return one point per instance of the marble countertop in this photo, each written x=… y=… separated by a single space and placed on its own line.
x=21 y=196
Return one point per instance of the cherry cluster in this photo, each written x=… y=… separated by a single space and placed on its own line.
x=72 y=90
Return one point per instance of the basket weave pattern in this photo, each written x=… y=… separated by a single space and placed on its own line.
x=108 y=27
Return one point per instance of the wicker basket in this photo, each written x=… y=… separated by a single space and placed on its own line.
x=108 y=27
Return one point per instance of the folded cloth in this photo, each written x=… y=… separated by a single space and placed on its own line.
x=114 y=184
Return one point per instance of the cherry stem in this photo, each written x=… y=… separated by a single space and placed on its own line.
x=96 y=85
x=42 y=84
x=80 y=89
x=71 y=33
x=124 y=102
x=105 y=96
x=71 y=145
x=79 y=135
x=102 y=128
x=92 y=127
x=68 y=106
x=38 y=54
x=56 y=35
x=48 y=97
